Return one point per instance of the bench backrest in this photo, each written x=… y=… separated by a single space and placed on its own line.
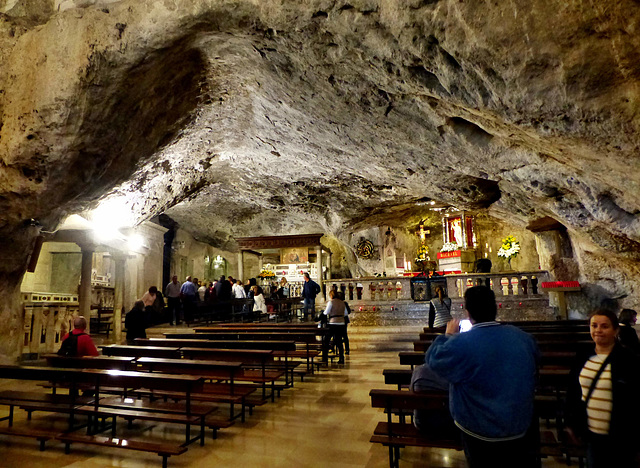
x=218 y=344
x=406 y=400
x=141 y=351
x=251 y=336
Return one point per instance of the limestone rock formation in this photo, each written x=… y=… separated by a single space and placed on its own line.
x=264 y=117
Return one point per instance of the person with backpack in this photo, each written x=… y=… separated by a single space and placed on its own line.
x=78 y=343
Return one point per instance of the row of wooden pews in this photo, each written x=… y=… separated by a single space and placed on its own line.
x=178 y=380
x=559 y=343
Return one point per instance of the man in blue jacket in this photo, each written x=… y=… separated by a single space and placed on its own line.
x=492 y=371
x=309 y=292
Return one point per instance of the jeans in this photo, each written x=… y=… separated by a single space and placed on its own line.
x=309 y=308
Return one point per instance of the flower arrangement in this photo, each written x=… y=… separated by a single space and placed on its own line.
x=510 y=248
x=449 y=247
x=267 y=274
x=422 y=255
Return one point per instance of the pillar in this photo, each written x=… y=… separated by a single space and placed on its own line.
x=85 y=282
x=260 y=262
x=241 y=267
x=319 y=269
x=118 y=302
x=329 y=266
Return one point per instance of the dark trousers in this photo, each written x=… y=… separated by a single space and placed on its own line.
x=346 y=339
x=189 y=308
x=337 y=333
x=309 y=308
x=518 y=453
x=604 y=451
x=173 y=305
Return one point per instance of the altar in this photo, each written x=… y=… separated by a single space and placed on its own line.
x=458 y=253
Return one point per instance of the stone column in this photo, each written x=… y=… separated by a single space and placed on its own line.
x=118 y=302
x=85 y=282
x=241 y=266
x=329 y=266
x=260 y=262
x=319 y=269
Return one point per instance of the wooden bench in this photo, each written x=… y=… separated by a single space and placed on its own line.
x=40 y=435
x=210 y=370
x=162 y=449
x=90 y=406
x=219 y=393
x=258 y=341
x=396 y=435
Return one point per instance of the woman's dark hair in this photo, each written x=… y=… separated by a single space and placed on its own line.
x=626 y=315
x=153 y=290
x=480 y=302
x=606 y=313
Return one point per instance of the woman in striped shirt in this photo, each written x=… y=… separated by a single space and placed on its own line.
x=439 y=309
x=601 y=400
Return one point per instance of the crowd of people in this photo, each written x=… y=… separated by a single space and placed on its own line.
x=184 y=300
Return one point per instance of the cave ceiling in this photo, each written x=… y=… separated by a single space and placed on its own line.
x=247 y=118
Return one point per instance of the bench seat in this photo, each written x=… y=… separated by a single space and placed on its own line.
x=164 y=449
x=40 y=435
x=407 y=434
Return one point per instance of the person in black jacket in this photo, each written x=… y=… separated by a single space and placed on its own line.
x=136 y=322
x=627 y=335
x=601 y=402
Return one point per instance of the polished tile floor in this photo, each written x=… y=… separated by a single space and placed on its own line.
x=325 y=421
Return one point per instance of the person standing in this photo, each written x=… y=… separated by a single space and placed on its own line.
x=492 y=372
x=149 y=299
x=78 y=343
x=627 y=335
x=188 y=293
x=439 y=309
x=172 y=293
x=601 y=401
x=309 y=292
x=336 y=312
x=238 y=291
x=136 y=323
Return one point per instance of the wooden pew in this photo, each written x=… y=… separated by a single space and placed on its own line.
x=308 y=340
x=141 y=351
x=396 y=435
x=281 y=349
x=248 y=358
x=90 y=406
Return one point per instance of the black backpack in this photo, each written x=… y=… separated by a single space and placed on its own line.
x=69 y=346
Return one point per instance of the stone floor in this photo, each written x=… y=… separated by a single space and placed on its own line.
x=324 y=421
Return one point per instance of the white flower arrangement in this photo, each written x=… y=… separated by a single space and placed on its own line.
x=510 y=248
x=449 y=247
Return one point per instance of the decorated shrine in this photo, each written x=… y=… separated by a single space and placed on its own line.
x=459 y=239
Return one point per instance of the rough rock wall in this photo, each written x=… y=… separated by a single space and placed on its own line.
x=263 y=117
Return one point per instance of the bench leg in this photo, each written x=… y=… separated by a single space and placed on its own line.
x=202 y=431
x=10 y=415
x=67 y=448
x=113 y=427
x=164 y=460
x=188 y=435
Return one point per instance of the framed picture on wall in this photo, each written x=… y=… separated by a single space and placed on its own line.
x=294 y=255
